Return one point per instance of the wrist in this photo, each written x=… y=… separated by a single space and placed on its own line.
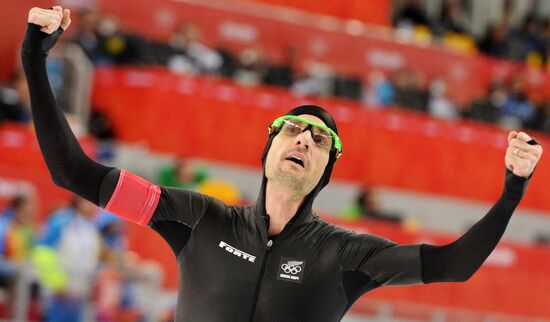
x=37 y=42
x=514 y=186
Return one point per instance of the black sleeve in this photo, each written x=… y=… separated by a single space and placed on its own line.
x=178 y=210
x=387 y=263
x=68 y=165
x=383 y=261
x=177 y=213
x=461 y=259
x=182 y=205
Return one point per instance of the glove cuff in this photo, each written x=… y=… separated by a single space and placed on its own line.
x=514 y=186
x=37 y=42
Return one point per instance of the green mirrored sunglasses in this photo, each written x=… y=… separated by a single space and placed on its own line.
x=323 y=136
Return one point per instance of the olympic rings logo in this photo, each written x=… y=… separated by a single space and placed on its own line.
x=291 y=269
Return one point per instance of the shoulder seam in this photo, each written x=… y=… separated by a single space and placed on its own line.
x=195 y=225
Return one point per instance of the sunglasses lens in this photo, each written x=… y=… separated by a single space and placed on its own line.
x=293 y=127
x=321 y=137
x=322 y=141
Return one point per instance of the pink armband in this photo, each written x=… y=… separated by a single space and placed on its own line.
x=134 y=199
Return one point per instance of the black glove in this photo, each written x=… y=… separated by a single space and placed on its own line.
x=37 y=42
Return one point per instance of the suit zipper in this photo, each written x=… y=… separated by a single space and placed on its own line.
x=260 y=279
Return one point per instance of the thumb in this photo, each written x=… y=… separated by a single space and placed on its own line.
x=57 y=8
x=512 y=135
x=66 y=21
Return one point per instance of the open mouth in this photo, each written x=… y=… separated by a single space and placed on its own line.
x=296 y=160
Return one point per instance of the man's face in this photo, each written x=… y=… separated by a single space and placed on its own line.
x=283 y=167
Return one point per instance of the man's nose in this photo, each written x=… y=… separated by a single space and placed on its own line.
x=305 y=139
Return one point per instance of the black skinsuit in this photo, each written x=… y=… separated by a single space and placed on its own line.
x=229 y=269
x=311 y=271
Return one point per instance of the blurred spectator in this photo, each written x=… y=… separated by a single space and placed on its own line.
x=111 y=302
x=182 y=175
x=112 y=43
x=408 y=90
x=229 y=64
x=116 y=46
x=145 y=287
x=495 y=42
x=113 y=234
x=129 y=290
x=367 y=206
x=525 y=40
x=252 y=66
x=104 y=42
x=380 y=91
x=517 y=109
x=537 y=122
x=411 y=14
x=67 y=260
x=487 y=108
x=316 y=80
x=15 y=101
x=16 y=241
x=100 y=126
x=545 y=40
x=16 y=228
x=546 y=122
x=440 y=105
x=453 y=18
x=190 y=54
x=86 y=34
x=281 y=74
x=347 y=86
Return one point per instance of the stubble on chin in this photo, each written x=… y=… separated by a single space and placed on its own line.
x=288 y=179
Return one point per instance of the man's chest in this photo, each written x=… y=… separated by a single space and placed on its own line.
x=233 y=256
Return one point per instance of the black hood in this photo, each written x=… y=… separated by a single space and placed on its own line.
x=304 y=213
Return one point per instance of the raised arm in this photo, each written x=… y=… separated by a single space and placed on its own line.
x=68 y=165
x=166 y=210
x=381 y=262
x=459 y=260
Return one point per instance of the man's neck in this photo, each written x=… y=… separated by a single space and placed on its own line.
x=281 y=205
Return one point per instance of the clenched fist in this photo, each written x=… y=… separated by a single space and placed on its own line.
x=50 y=19
x=521 y=157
